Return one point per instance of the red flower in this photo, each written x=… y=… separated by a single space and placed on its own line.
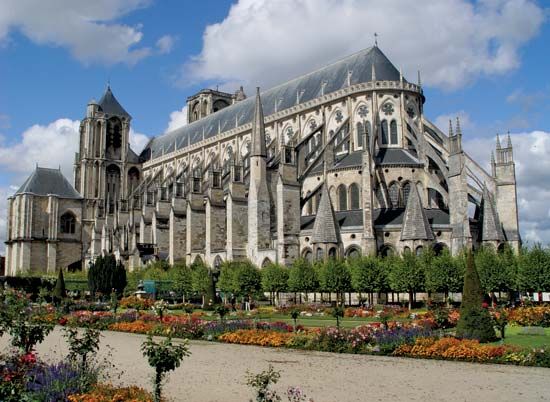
x=62 y=321
x=28 y=358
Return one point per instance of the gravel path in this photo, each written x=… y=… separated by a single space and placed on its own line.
x=216 y=372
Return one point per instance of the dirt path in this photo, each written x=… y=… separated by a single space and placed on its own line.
x=216 y=372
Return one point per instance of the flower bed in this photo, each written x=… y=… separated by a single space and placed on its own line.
x=530 y=316
x=454 y=349
x=257 y=337
x=135 y=327
x=109 y=393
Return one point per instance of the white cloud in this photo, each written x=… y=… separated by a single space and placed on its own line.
x=533 y=182
x=442 y=121
x=165 y=44
x=87 y=28
x=452 y=41
x=137 y=141
x=178 y=118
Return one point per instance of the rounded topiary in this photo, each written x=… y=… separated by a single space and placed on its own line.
x=475 y=321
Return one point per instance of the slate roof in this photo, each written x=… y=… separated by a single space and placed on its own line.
x=334 y=77
x=108 y=104
x=396 y=156
x=415 y=222
x=325 y=228
x=45 y=181
x=354 y=218
x=490 y=229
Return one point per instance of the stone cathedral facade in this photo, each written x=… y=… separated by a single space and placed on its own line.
x=336 y=163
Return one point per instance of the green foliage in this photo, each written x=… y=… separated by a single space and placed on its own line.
x=334 y=276
x=221 y=311
x=443 y=273
x=226 y=280
x=163 y=357
x=534 y=269
x=200 y=278
x=302 y=277
x=261 y=384
x=24 y=322
x=274 y=278
x=59 y=292
x=406 y=274
x=492 y=273
x=183 y=279
x=107 y=274
x=247 y=279
x=338 y=313
x=368 y=274
x=475 y=322
x=82 y=345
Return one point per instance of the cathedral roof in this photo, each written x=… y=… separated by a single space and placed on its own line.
x=307 y=87
x=415 y=222
x=490 y=229
x=108 y=104
x=44 y=181
x=325 y=229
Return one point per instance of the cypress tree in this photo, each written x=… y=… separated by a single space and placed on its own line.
x=475 y=321
x=59 y=291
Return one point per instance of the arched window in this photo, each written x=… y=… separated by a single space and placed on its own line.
x=394 y=194
x=354 y=196
x=133 y=179
x=319 y=254
x=266 y=262
x=360 y=134
x=217 y=262
x=353 y=252
x=308 y=255
x=113 y=142
x=386 y=251
x=419 y=250
x=406 y=249
x=332 y=252
x=68 y=223
x=384 y=132
x=406 y=192
x=393 y=133
x=342 y=198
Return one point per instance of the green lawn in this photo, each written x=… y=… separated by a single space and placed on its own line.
x=515 y=337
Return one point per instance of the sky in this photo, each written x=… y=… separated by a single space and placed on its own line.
x=484 y=61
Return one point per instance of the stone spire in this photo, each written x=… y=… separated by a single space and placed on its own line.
x=508 y=141
x=325 y=229
x=498 y=142
x=419 y=80
x=450 y=128
x=490 y=229
x=458 y=129
x=258 y=129
x=415 y=223
x=239 y=94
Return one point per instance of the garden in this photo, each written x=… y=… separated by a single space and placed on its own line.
x=202 y=304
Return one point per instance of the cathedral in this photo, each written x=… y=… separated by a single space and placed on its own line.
x=339 y=162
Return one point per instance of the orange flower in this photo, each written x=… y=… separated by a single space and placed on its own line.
x=257 y=337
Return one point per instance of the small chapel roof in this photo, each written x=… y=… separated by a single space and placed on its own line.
x=45 y=181
x=350 y=70
x=109 y=104
x=325 y=228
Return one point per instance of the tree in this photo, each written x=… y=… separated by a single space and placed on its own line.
x=59 y=292
x=226 y=281
x=274 y=280
x=105 y=275
x=302 y=277
x=183 y=279
x=475 y=321
x=493 y=276
x=334 y=276
x=442 y=273
x=201 y=280
x=247 y=279
x=406 y=275
x=368 y=275
x=534 y=269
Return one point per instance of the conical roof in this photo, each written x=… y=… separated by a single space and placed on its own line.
x=325 y=229
x=415 y=223
x=44 y=181
x=108 y=104
x=258 y=129
x=490 y=229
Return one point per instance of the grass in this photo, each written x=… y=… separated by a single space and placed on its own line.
x=515 y=337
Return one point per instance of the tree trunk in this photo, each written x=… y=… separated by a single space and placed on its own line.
x=158 y=382
x=411 y=295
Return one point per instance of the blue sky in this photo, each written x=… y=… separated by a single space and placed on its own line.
x=485 y=61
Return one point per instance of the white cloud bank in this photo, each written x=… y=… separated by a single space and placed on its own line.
x=452 y=41
x=53 y=145
x=178 y=118
x=88 y=29
x=531 y=150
